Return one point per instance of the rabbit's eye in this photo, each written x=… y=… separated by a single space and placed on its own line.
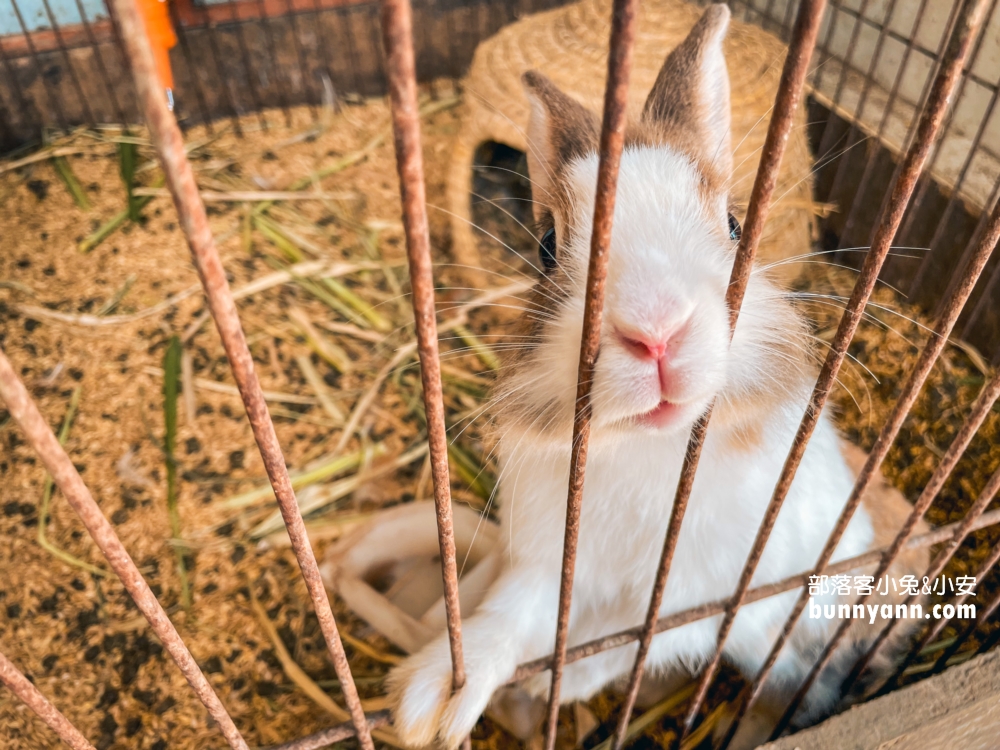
x=735 y=232
x=547 y=250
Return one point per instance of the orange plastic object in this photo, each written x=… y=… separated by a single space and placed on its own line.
x=161 y=37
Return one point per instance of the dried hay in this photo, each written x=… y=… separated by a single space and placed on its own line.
x=75 y=631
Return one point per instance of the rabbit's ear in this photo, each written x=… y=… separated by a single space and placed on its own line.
x=690 y=99
x=560 y=130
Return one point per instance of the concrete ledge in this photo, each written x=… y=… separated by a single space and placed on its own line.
x=956 y=710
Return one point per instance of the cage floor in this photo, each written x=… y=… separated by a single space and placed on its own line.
x=98 y=321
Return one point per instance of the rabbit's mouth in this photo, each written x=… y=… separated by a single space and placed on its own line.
x=664 y=414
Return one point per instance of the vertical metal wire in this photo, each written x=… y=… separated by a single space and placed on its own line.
x=99 y=61
x=767 y=17
x=824 y=142
x=786 y=21
x=824 y=48
x=307 y=88
x=902 y=189
x=953 y=201
x=322 y=43
x=377 y=51
x=272 y=52
x=620 y=55
x=116 y=35
x=33 y=54
x=984 y=298
x=854 y=134
x=397 y=32
x=890 y=430
x=866 y=176
x=980 y=410
x=24 y=689
x=166 y=138
x=6 y=122
x=893 y=94
x=213 y=51
x=25 y=105
x=239 y=31
x=67 y=479
x=192 y=69
x=70 y=68
x=928 y=180
x=786 y=106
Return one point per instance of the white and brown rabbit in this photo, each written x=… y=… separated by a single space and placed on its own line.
x=665 y=356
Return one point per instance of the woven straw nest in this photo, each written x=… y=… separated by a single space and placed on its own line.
x=569 y=45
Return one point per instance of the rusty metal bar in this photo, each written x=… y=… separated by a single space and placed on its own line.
x=887 y=436
x=24 y=689
x=793 y=76
x=965 y=31
x=620 y=55
x=889 y=221
x=40 y=436
x=980 y=410
x=944 y=556
x=339 y=733
x=710 y=609
x=33 y=54
x=397 y=32
x=169 y=144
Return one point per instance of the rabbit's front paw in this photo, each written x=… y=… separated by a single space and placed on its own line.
x=423 y=704
x=419 y=690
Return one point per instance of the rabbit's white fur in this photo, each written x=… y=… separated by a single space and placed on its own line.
x=668 y=271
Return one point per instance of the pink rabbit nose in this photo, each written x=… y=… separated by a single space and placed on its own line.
x=654 y=349
x=645 y=347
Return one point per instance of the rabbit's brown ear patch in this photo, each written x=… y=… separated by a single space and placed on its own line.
x=689 y=103
x=560 y=131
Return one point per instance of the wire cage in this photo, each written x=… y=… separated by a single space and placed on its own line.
x=906 y=148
